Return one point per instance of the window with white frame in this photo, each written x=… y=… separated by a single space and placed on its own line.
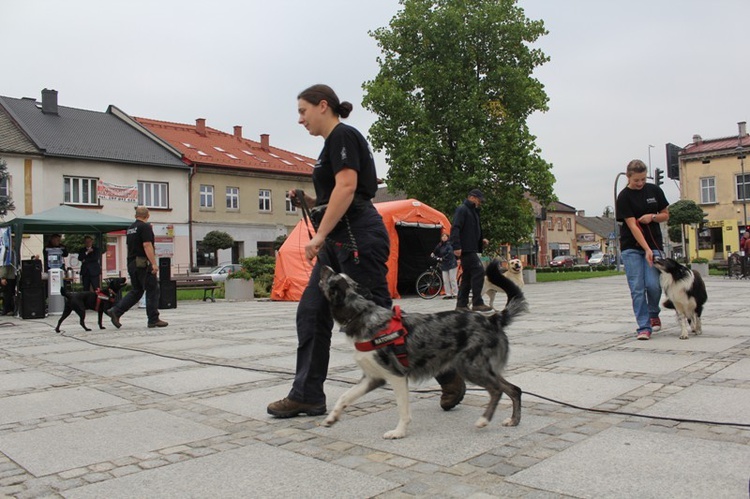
x=743 y=187
x=233 y=198
x=153 y=194
x=264 y=200
x=708 y=190
x=207 y=196
x=5 y=186
x=290 y=208
x=80 y=190
x=568 y=224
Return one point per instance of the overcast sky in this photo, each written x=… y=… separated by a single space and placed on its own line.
x=622 y=76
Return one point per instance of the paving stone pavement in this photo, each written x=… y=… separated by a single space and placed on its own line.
x=181 y=411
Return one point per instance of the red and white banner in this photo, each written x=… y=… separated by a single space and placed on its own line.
x=127 y=193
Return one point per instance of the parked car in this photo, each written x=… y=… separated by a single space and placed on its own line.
x=220 y=272
x=562 y=261
x=600 y=258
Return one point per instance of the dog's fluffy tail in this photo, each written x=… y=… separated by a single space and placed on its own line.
x=516 y=303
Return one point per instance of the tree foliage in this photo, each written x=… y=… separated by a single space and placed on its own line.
x=683 y=212
x=217 y=240
x=452 y=96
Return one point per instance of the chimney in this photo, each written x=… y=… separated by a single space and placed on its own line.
x=742 y=126
x=264 y=140
x=49 y=101
x=238 y=132
x=581 y=213
x=697 y=139
x=200 y=126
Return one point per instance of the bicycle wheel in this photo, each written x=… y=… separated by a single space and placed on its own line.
x=429 y=284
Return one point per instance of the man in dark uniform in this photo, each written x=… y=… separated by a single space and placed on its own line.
x=467 y=242
x=91 y=268
x=142 y=268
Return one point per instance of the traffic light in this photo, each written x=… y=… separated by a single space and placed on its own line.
x=658 y=176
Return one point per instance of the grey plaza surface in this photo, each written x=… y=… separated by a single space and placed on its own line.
x=181 y=411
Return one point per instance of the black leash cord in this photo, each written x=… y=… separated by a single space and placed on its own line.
x=291 y=375
x=350 y=246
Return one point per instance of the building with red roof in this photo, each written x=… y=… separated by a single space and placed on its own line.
x=714 y=173
x=237 y=185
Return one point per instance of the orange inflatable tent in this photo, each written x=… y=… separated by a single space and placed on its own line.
x=413 y=227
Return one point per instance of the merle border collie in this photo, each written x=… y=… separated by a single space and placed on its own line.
x=473 y=344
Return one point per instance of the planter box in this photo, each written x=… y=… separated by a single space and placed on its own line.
x=701 y=268
x=239 y=290
x=529 y=276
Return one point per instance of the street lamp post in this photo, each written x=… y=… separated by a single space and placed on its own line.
x=649 y=159
x=617 y=232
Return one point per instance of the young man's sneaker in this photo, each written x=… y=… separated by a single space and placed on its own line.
x=287 y=408
x=159 y=323
x=463 y=309
x=643 y=335
x=655 y=324
x=114 y=317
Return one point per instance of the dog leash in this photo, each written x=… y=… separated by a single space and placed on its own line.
x=653 y=239
x=351 y=245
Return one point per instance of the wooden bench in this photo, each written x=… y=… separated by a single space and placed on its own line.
x=196 y=282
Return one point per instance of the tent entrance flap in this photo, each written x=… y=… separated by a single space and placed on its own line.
x=415 y=242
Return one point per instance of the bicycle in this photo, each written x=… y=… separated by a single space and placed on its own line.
x=430 y=282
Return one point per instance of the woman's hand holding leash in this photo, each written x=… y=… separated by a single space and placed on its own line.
x=313 y=247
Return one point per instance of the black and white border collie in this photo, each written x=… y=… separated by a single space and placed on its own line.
x=685 y=292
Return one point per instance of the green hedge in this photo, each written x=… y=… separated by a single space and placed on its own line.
x=577 y=268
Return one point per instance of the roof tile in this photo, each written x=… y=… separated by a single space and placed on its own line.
x=221 y=149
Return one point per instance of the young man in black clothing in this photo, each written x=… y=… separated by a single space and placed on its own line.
x=142 y=268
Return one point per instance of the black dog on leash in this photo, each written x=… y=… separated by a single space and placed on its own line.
x=99 y=300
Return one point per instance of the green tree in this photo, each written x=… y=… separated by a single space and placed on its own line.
x=6 y=202
x=681 y=213
x=217 y=240
x=453 y=94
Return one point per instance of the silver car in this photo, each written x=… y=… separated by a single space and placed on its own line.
x=220 y=272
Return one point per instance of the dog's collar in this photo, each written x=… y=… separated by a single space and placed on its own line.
x=394 y=335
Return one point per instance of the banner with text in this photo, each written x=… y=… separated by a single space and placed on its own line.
x=127 y=193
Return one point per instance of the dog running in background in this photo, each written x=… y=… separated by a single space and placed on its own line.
x=99 y=300
x=685 y=292
x=473 y=344
x=513 y=273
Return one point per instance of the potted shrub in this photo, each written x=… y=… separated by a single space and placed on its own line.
x=239 y=286
x=700 y=265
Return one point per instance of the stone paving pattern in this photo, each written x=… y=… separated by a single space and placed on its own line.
x=180 y=412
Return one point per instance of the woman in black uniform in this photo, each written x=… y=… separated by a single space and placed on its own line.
x=345 y=181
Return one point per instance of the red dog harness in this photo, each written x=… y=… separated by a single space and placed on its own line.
x=101 y=296
x=393 y=336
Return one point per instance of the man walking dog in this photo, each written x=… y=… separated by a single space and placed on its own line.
x=142 y=268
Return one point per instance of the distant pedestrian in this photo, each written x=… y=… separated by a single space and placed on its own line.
x=467 y=241
x=641 y=207
x=448 y=266
x=91 y=269
x=142 y=268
